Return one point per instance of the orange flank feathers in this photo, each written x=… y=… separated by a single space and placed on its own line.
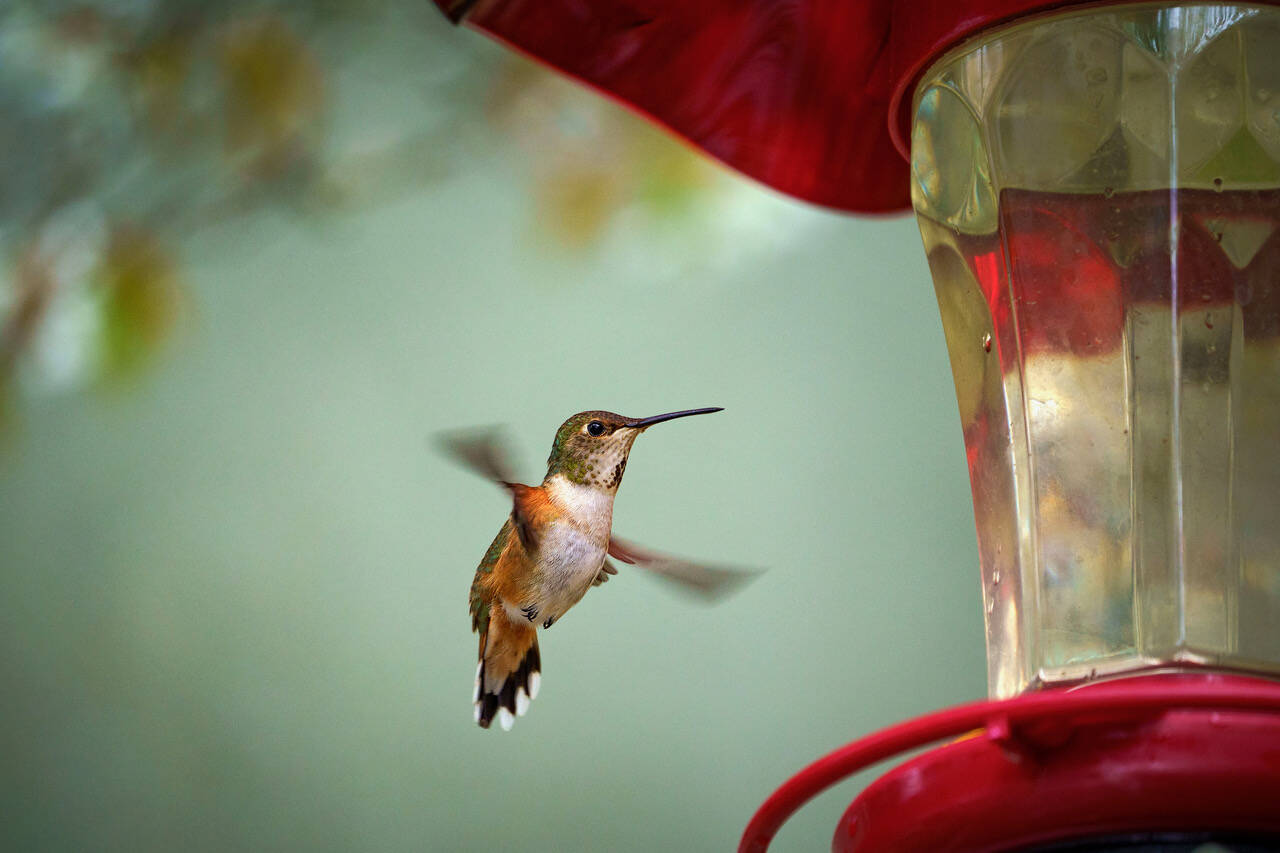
x=532 y=511
x=509 y=670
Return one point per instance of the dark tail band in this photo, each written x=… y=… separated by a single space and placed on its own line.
x=512 y=696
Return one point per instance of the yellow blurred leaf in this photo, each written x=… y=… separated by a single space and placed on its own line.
x=576 y=206
x=140 y=286
x=274 y=91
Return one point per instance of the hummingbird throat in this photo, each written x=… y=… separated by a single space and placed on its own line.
x=600 y=467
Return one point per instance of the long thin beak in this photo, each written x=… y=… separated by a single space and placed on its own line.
x=644 y=423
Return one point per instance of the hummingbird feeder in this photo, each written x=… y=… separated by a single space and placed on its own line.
x=1098 y=191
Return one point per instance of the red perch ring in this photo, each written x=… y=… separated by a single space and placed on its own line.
x=1160 y=753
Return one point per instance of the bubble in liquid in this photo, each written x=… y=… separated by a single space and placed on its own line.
x=986 y=342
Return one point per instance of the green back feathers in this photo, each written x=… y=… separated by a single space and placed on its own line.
x=566 y=457
x=480 y=607
x=499 y=542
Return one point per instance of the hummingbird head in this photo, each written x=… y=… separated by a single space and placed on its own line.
x=591 y=447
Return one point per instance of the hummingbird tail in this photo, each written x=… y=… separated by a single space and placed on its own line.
x=509 y=672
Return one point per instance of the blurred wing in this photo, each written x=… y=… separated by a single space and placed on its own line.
x=483 y=451
x=707 y=582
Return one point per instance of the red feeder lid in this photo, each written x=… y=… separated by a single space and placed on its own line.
x=811 y=97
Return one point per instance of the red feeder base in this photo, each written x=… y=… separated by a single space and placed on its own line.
x=1142 y=759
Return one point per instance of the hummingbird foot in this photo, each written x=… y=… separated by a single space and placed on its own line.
x=530 y=612
x=549 y=621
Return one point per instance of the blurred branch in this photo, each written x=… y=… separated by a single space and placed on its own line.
x=31 y=297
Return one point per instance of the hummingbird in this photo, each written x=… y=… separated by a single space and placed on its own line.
x=554 y=546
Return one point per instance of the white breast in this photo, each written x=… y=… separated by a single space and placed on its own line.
x=590 y=508
x=569 y=555
x=568 y=561
x=572 y=550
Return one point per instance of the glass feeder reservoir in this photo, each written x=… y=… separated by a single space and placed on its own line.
x=1099 y=197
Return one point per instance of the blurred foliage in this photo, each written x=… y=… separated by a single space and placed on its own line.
x=591 y=160
x=130 y=125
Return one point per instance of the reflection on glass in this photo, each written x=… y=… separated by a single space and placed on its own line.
x=1099 y=197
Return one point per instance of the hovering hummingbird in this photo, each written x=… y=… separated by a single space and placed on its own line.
x=554 y=547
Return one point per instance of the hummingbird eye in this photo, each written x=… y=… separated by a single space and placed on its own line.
x=595 y=428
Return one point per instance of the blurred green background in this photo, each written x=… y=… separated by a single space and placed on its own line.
x=255 y=255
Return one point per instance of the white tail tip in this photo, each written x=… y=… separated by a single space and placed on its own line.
x=522 y=703
x=505 y=719
x=535 y=682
